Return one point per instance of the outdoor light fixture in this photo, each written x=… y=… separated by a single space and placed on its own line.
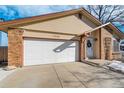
x=95 y=39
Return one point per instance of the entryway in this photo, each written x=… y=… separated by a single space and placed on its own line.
x=89 y=47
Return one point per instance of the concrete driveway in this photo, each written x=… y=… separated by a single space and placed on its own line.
x=66 y=75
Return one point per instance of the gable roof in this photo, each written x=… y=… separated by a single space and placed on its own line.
x=45 y=17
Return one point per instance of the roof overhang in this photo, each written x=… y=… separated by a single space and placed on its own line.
x=94 y=29
x=109 y=26
x=36 y=19
x=22 y=22
x=45 y=17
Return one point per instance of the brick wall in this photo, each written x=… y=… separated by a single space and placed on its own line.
x=106 y=47
x=117 y=56
x=15 y=47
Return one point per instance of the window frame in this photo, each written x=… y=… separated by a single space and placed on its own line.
x=120 y=45
x=113 y=47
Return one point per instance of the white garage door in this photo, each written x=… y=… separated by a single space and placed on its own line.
x=39 y=51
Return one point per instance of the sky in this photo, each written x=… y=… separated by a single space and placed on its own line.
x=11 y=12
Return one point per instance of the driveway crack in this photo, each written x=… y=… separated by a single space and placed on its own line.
x=83 y=83
x=57 y=76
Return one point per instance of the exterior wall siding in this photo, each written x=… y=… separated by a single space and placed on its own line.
x=15 y=47
x=96 y=47
x=68 y=24
x=116 y=56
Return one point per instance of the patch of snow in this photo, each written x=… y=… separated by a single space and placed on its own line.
x=116 y=61
x=117 y=66
x=4 y=74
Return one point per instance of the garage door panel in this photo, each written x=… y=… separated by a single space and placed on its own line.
x=49 y=51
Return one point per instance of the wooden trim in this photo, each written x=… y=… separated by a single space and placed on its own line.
x=85 y=48
x=96 y=28
x=47 y=32
x=116 y=53
x=50 y=39
x=100 y=46
x=80 y=16
x=80 y=49
x=3 y=30
x=91 y=18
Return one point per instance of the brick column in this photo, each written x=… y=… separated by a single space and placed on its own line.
x=108 y=48
x=83 y=48
x=15 y=47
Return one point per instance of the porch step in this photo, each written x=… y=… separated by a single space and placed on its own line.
x=97 y=62
x=91 y=63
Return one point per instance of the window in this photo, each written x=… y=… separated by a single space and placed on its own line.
x=122 y=42
x=3 y=39
x=115 y=46
x=122 y=45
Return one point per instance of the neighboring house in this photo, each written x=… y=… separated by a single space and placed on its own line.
x=3 y=47
x=1 y=20
x=67 y=36
x=3 y=39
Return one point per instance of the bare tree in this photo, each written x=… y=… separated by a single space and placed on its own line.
x=107 y=13
x=104 y=13
x=120 y=22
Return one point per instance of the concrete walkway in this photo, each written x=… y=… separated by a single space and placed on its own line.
x=4 y=74
x=66 y=75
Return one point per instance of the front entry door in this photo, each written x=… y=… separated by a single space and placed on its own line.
x=89 y=47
